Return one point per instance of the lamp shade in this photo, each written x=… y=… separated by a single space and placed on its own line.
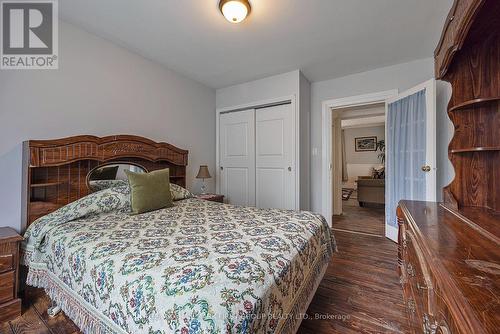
x=203 y=173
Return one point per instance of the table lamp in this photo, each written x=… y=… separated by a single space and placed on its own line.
x=203 y=174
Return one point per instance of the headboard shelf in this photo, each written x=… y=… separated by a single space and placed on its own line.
x=47 y=184
x=55 y=171
x=57 y=152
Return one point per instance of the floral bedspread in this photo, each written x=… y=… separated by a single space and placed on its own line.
x=198 y=267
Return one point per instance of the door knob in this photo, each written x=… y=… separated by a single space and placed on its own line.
x=426 y=168
x=289 y=169
x=221 y=168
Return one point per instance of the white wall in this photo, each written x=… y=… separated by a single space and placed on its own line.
x=367 y=157
x=444 y=133
x=305 y=142
x=401 y=76
x=281 y=85
x=361 y=163
x=100 y=89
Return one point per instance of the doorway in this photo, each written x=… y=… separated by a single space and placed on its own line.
x=358 y=142
x=410 y=149
x=330 y=193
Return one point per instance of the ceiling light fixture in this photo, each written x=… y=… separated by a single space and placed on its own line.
x=234 y=11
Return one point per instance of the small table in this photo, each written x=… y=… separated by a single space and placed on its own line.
x=211 y=197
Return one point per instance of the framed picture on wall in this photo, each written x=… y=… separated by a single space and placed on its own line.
x=364 y=144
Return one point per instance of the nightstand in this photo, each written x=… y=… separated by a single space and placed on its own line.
x=10 y=304
x=211 y=197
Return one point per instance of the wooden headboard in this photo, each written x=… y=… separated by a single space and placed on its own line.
x=55 y=171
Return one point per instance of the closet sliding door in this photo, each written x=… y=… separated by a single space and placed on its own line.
x=274 y=157
x=257 y=157
x=237 y=157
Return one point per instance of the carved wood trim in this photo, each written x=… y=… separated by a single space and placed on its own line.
x=444 y=286
x=55 y=171
x=45 y=153
x=456 y=28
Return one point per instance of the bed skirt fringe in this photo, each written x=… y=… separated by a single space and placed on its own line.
x=304 y=297
x=71 y=306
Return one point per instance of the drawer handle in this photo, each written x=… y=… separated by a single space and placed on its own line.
x=442 y=330
x=411 y=306
x=429 y=328
x=422 y=287
x=410 y=270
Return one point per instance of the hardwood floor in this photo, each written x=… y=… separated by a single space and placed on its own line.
x=360 y=293
x=35 y=319
x=361 y=289
x=360 y=219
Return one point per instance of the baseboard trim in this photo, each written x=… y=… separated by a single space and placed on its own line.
x=358 y=232
x=391 y=232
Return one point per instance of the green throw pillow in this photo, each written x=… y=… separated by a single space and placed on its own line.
x=149 y=191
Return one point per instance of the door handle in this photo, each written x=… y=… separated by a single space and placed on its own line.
x=426 y=168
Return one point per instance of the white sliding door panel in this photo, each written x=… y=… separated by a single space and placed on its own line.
x=237 y=189
x=237 y=157
x=270 y=187
x=275 y=168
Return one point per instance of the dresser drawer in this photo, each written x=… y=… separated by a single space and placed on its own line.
x=7 y=286
x=419 y=275
x=417 y=285
x=444 y=318
x=6 y=262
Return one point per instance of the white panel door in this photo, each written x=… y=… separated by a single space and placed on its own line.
x=410 y=150
x=275 y=168
x=237 y=157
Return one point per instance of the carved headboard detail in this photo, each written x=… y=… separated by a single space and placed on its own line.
x=55 y=170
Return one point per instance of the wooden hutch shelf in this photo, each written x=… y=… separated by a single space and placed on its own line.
x=476 y=149
x=472 y=68
x=473 y=103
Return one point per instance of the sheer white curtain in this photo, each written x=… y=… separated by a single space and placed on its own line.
x=405 y=152
x=345 y=177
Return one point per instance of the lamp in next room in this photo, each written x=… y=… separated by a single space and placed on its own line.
x=203 y=174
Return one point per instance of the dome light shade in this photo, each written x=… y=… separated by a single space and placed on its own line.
x=234 y=11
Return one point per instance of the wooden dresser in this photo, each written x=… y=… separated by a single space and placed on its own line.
x=10 y=304
x=449 y=269
x=449 y=253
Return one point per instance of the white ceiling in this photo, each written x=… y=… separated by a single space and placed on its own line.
x=323 y=38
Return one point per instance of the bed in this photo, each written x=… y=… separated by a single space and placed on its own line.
x=197 y=267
